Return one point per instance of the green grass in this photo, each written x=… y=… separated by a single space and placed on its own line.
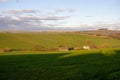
x=52 y=40
x=72 y=65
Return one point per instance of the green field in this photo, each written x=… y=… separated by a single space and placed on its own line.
x=95 y=64
x=50 y=40
x=72 y=65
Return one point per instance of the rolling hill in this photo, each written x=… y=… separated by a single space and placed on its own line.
x=49 y=40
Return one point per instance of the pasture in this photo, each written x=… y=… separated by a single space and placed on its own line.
x=70 y=65
x=51 y=40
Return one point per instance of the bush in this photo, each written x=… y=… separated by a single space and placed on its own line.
x=1 y=50
x=7 y=50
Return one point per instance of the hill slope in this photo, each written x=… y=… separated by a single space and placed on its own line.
x=53 y=40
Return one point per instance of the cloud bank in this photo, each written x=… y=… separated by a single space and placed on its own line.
x=29 y=19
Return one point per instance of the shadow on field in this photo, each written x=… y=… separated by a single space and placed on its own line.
x=63 y=66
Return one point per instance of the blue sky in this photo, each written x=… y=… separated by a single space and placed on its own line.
x=58 y=14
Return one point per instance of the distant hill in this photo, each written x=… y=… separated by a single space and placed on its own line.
x=50 y=40
x=103 y=32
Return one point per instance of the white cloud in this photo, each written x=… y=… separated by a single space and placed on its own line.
x=110 y=26
x=64 y=10
x=18 y=12
x=20 y=19
x=61 y=11
x=4 y=0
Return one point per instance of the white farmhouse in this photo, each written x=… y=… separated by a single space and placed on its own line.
x=86 y=47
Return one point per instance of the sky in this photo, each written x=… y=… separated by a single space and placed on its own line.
x=59 y=14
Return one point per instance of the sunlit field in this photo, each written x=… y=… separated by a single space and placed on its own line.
x=49 y=40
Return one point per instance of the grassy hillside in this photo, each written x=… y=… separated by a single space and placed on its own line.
x=110 y=33
x=75 y=65
x=52 y=40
